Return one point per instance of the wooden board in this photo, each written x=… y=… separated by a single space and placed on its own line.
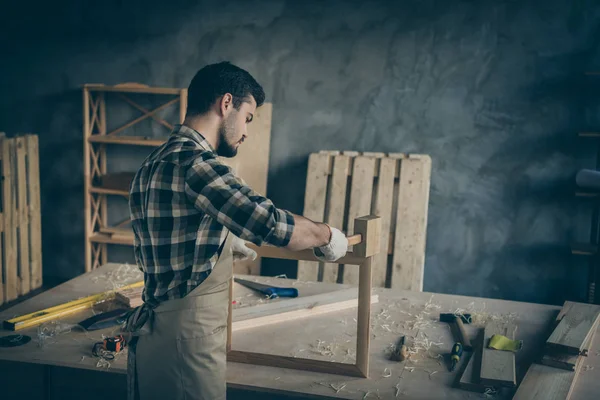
x=574 y=328
x=376 y=184
x=336 y=206
x=252 y=165
x=361 y=194
x=567 y=361
x=411 y=223
x=498 y=367
x=35 y=218
x=547 y=383
x=22 y=217
x=314 y=205
x=383 y=202
x=11 y=284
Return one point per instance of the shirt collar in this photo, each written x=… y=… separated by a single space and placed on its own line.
x=186 y=131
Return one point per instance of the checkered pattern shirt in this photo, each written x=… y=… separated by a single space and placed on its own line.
x=183 y=201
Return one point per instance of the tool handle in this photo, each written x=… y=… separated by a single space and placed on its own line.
x=282 y=292
x=464 y=339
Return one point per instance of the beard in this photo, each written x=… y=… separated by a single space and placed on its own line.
x=226 y=136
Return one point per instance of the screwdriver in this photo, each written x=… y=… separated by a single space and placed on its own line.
x=455 y=355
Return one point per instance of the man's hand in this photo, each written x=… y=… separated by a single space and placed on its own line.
x=240 y=250
x=335 y=249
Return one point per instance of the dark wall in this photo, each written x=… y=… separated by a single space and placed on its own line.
x=493 y=90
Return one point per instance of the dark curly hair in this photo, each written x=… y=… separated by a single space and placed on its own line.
x=214 y=80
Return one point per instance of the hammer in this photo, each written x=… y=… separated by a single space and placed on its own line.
x=458 y=321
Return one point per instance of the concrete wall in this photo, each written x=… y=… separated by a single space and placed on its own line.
x=492 y=90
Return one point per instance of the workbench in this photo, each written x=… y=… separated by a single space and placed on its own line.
x=62 y=366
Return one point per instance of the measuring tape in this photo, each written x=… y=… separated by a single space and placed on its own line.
x=109 y=347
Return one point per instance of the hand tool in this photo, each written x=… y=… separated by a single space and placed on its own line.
x=61 y=310
x=14 y=340
x=455 y=355
x=109 y=347
x=458 y=323
x=105 y=320
x=400 y=351
x=271 y=291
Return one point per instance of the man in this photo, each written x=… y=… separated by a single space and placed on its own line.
x=191 y=215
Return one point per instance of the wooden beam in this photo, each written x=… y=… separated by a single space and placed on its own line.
x=126 y=140
x=131 y=88
x=324 y=367
x=258 y=317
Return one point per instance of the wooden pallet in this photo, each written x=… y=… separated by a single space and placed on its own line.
x=343 y=185
x=20 y=218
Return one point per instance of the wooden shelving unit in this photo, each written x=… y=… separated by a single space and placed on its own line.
x=590 y=249
x=98 y=183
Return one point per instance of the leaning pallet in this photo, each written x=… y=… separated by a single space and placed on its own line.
x=20 y=219
x=343 y=185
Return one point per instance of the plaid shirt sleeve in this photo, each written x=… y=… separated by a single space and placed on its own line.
x=213 y=188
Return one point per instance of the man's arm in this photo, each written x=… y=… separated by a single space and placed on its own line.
x=214 y=189
x=308 y=234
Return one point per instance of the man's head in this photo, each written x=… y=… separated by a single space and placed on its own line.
x=233 y=95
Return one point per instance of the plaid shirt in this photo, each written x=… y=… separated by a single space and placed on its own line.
x=183 y=201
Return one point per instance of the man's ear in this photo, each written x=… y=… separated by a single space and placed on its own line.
x=226 y=104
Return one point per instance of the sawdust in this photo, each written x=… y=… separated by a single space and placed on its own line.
x=123 y=275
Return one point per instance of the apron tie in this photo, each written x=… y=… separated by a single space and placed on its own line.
x=138 y=323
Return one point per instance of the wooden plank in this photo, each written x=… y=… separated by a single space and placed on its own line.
x=336 y=207
x=35 y=218
x=253 y=321
x=363 y=336
x=11 y=287
x=497 y=366
x=570 y=362
x=411 y=223
x=384 y=197
x=314 y=205
x=469 y=379
x=361 y=193
x=574 y=328
x=87 y=168
x=22 y=218
x=126 y=140
x=183 y=100
x=251 y=164
x=542 y=382
x=271 y=360
x=131 y=88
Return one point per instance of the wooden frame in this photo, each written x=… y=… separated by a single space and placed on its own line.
x=369 y=228
x=96 y=138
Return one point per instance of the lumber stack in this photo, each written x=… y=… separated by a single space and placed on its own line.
x=555 y=376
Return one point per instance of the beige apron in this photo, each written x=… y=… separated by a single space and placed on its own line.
x=183 y=355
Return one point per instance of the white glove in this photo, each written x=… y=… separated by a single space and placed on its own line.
x=240 y=250
x=335 y=249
